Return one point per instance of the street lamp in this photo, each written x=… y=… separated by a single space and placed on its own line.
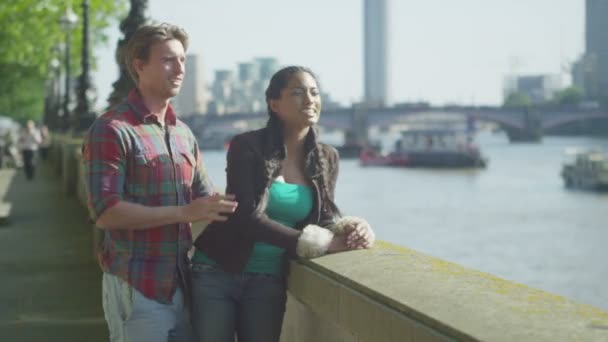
x=85 y=90
x=53 y=100
x=68 y=22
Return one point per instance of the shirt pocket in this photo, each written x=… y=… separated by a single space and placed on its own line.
x=186 y=167
x=147 y=174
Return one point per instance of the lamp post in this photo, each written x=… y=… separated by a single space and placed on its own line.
x=68 y=22
x=57 y=52
x=85 y=92
x=128 y=26
x=53 y=100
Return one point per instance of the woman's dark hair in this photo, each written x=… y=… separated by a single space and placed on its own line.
x=317 y=163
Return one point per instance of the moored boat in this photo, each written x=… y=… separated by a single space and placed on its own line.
x=586 y=170
x=433 y=148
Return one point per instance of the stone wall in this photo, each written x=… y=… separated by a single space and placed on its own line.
x=392 y=293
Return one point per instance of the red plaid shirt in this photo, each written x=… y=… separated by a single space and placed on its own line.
x=129 y=156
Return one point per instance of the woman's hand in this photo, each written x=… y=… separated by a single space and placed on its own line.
x=359 y=235
x=338 y=244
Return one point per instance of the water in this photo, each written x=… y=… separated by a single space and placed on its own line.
x=513 y=219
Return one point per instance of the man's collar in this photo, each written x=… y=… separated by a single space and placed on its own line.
x=142 y=112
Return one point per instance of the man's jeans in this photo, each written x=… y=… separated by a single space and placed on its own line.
x=132 y=317
x=248 y=304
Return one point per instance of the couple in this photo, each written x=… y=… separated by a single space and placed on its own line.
x=146 y=184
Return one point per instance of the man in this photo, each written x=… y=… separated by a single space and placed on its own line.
x=146 y=184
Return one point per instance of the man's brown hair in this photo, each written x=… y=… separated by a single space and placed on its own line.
x=138 y=47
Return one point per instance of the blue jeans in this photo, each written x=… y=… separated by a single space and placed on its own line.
x=131 y=317
x=251 y=305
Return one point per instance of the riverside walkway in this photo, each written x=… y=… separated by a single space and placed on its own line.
x=50 y=284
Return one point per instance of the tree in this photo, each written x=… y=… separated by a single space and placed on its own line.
x=517 y=99
x=570 y=96
x=29 y=32
x=128 y=26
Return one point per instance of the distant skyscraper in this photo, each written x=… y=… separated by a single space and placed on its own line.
x=192 y=98
x=596 y=51
x=268 y=66
x=375 y=18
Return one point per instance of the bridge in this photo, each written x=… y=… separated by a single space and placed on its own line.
x=520 y=124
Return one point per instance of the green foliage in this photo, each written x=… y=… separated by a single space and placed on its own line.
x=569 y=96
x=517 y=99
x=29 y=32
x=20 y=91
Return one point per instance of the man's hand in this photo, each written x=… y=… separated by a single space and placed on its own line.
x=209 y=208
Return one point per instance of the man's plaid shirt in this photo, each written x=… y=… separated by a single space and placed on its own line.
x=128 y=156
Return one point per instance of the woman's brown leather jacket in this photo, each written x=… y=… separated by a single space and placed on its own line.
x=254 y=161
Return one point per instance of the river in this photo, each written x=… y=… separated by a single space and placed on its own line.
x=514 y=219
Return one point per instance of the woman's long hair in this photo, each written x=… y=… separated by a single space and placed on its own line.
x=317 y=163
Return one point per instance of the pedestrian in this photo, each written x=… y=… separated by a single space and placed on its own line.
x=29 y=140
x=284 y=180
x=146 y=183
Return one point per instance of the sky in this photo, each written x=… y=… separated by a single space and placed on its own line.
x=440 y=51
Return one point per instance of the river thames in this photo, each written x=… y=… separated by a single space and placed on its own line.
x=513 y=219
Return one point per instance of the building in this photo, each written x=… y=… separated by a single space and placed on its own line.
x=376 y=62
x=248 y=95
x=222 y=91
x=192 y=98
x=596 y=49
x=243 y=91
x=268 y=66
x=538 y=88
x=584 y=76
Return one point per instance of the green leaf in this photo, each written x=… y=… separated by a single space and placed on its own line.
x=30 y=30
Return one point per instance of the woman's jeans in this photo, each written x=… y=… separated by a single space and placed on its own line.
x=248 y=304
x=28 y=163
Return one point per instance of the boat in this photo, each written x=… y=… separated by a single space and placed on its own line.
x=429 y=147
x=588 y=169
x=370 y=157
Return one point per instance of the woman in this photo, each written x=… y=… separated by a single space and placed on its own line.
x=284 y=181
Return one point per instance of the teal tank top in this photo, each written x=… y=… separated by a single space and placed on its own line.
x=287 y=204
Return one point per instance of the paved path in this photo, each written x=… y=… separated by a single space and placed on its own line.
x=50 y=287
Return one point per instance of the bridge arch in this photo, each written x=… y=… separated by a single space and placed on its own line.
x=515 y=121
x=562 y=120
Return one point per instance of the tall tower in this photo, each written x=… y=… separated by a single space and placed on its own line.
x=596 y=48
x=192 y=98
x=376 y=25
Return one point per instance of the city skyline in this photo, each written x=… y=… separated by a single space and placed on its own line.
x=440 y=52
